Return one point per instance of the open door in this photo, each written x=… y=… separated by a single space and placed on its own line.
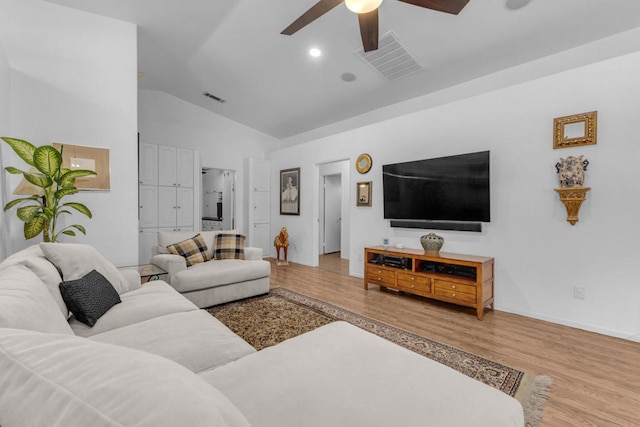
x=332 y=213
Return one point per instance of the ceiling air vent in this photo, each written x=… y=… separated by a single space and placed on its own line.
x=216 y=98
x=391 y=59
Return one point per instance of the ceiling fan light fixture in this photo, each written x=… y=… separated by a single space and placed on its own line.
x=362 y=6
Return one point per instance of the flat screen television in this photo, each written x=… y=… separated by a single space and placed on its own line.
x=452 y=188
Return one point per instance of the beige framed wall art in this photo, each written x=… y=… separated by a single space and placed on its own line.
x=81 y=157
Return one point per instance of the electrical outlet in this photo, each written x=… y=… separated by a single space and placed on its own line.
x=578 y=292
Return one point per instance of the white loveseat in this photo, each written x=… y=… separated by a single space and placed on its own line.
x=155 y=359
x=216 y=281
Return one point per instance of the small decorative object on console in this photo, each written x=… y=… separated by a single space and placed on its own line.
x=572 y=193
x=432 y=243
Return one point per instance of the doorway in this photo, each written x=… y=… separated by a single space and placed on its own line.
x=332 y=214
x=218 y=199
x=333 y=217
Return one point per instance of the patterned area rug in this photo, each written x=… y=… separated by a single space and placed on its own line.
x=282 y=314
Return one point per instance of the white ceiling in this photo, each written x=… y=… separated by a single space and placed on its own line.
x=234 y=50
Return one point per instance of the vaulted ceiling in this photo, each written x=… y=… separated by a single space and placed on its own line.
x=233 y=50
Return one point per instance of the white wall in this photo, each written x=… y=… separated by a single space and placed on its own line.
x=73 y=81
x=5 y=93
x=223 y=143
x=539 y=256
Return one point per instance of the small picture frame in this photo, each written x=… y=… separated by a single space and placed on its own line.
x=290 y=191
x=363 y=194
x=575 y=131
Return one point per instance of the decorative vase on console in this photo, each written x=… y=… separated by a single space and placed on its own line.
x=432 y=243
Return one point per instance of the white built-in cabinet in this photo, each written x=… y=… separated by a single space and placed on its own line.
x=261 y=206
x=175 y=167
x=175 y=208
x=148 y=213
x=166 y=193
x=258 y=204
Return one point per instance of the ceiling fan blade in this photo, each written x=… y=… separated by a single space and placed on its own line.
x=449 y=6
x=316 y=11
x=369 y=30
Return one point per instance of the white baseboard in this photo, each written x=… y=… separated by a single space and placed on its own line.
x=635 y=338
x=572 y=324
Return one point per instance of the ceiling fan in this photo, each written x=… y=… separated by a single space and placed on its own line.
x=367 y=11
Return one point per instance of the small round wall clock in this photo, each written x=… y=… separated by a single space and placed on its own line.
x=363 y=164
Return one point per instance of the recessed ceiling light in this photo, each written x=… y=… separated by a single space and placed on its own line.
x=315 y=52
x=348 y=77
x=515 y=4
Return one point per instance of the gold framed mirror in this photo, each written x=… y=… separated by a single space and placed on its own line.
x=363 y=164
x=576 y=130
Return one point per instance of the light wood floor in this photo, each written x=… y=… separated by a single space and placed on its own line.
x=596 y=378
x=333 y=262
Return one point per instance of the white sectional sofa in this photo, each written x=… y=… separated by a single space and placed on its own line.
x=216 y=281
x=155 y=359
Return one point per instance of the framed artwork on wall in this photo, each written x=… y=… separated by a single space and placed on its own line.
x=290 y=191
x=364 y=194
x=95 y=159
x=575 y=131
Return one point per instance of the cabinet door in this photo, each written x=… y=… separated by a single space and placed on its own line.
x=148 y=206
x=166 y=165
x=260 y=238
x=148 y=164
x=184 y=167
x=261 y=206
x=167 y=207
x=147 y=239
x=261 y=174
x=184 y=216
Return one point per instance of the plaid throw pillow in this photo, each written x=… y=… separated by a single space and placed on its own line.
x=228 y=246
x=194 y=250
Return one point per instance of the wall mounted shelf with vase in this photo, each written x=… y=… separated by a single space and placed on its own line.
x=572 y=193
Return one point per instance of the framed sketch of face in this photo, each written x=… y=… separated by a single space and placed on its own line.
x=290 y=191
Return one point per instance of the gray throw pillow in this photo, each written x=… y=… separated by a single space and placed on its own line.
x=89 y=297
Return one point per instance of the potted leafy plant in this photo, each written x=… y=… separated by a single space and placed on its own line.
x=42 y=210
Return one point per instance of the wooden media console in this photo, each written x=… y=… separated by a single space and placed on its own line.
x=459 y=279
